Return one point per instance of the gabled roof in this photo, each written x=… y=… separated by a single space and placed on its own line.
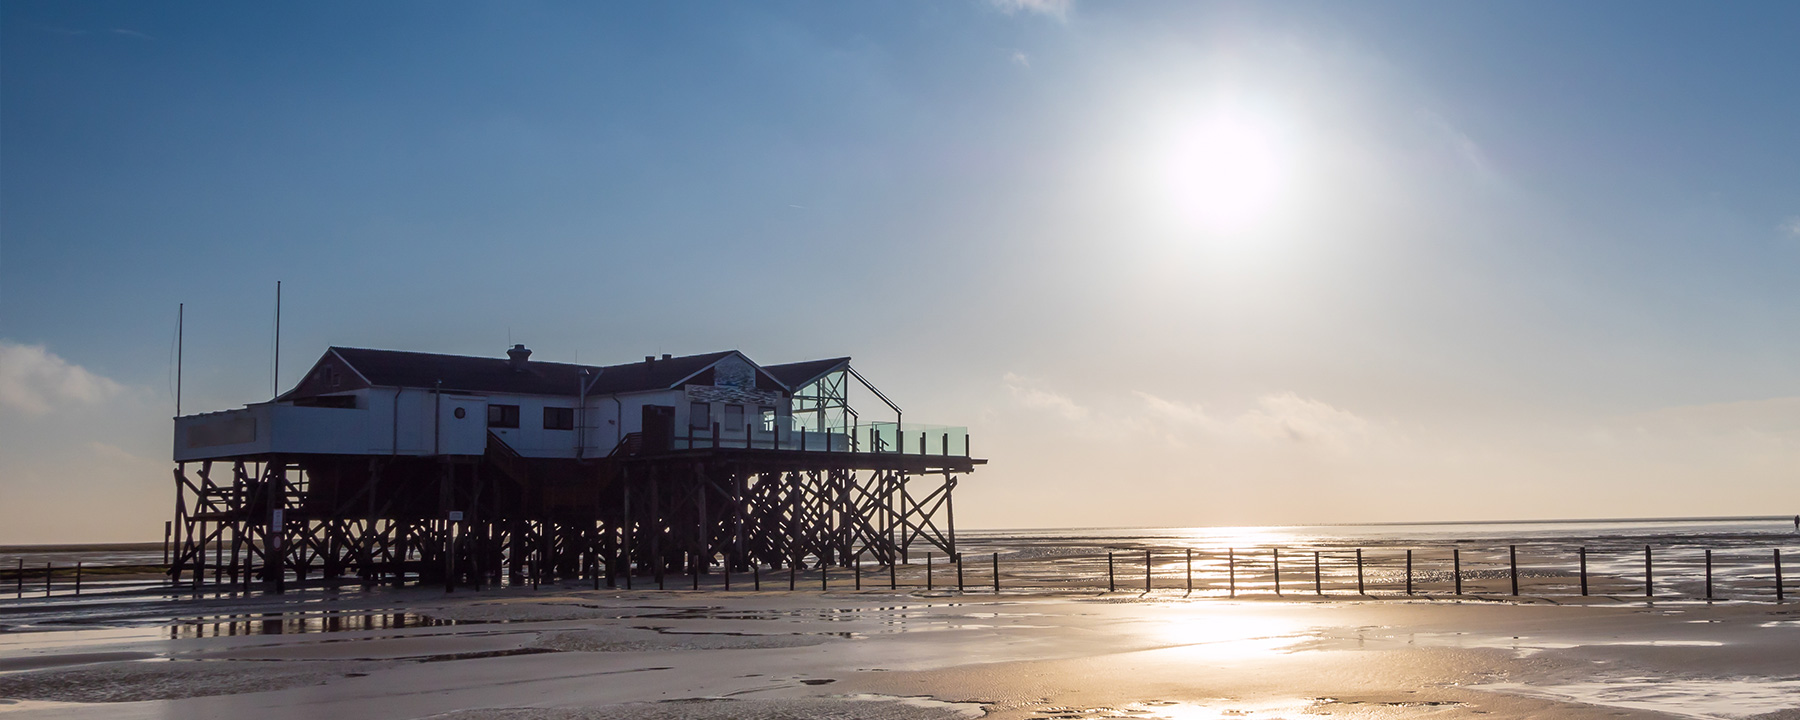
x=396 y=368
x=797 y=375
x=659 y=375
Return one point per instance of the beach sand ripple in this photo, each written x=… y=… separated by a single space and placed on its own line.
x=137 y=681
x=646 y=639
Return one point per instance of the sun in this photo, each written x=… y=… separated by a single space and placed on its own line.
x=1225 y=173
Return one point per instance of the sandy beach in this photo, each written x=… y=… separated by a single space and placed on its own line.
x=576 y=653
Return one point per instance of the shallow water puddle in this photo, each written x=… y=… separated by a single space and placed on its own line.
x=967 y=710
x=298 y=623
x=1707 y=699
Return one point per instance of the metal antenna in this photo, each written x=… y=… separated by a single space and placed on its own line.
x=275 y=380
x=180 y=320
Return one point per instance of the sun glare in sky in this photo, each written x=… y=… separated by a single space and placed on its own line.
x=1225 y=172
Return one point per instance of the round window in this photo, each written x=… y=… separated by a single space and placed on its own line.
x=461 y=413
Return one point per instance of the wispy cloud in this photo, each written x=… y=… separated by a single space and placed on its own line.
x=128 y=32
x=1033 y=395
x=1275 y=420
x=1278 y=419
x=1467 y=150
x=35 y=381
x=1792 y=226
x=1020 y=59
x=1287 y=417
x=1058 y=9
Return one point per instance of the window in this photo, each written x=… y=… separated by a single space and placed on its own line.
x=503 y=416
x=559 y=418
x=767 y=414
x=734 y=418
x=700 y=416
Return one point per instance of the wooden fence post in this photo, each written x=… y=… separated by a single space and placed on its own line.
x=1456 y=567
x=928 y=578
x=996 y=555
x=959 y=573
x=1409 y=585
x=1318 y=577
x=1649 y=574
x=1146 y=570
x=1359 y=573
x=1780 y=595
x=1277 y=566
x=77 y=577
x=1512 y=560
x=1709 y=591
x=1584 y=583
x=1111 y=586
x=1231 y=564
x=1190 y=571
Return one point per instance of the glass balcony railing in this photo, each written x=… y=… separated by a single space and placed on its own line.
x=877 y=437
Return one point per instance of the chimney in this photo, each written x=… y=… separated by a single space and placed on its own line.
x=517 y=356
x=649 y=359
x=667 y=356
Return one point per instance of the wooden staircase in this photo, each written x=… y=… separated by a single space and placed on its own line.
x=507 y=460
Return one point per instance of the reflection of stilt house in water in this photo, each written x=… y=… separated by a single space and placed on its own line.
x=381 y=465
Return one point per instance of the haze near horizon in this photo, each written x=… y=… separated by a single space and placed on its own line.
x=1174 y=264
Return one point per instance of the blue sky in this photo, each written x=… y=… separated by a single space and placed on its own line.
x=1409 y=260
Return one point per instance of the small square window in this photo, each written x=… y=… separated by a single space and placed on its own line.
x=734 y=418
x=559 y=418
x=503 y=416
x=700 y=416
x=767 y=415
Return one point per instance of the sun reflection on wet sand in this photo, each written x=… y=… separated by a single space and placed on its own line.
x=1223 y=632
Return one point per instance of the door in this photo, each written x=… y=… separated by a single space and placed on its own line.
x=659 y=428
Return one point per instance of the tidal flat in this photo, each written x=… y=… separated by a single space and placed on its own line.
x=559 y=653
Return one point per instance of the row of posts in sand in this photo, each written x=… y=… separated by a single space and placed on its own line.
x=49 y=576
x=1235 y=564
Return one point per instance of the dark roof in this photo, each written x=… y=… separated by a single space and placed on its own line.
x=395 y=368
x=659 y=375
x=794 y=375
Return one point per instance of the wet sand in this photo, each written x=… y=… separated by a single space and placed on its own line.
x=567 y=653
